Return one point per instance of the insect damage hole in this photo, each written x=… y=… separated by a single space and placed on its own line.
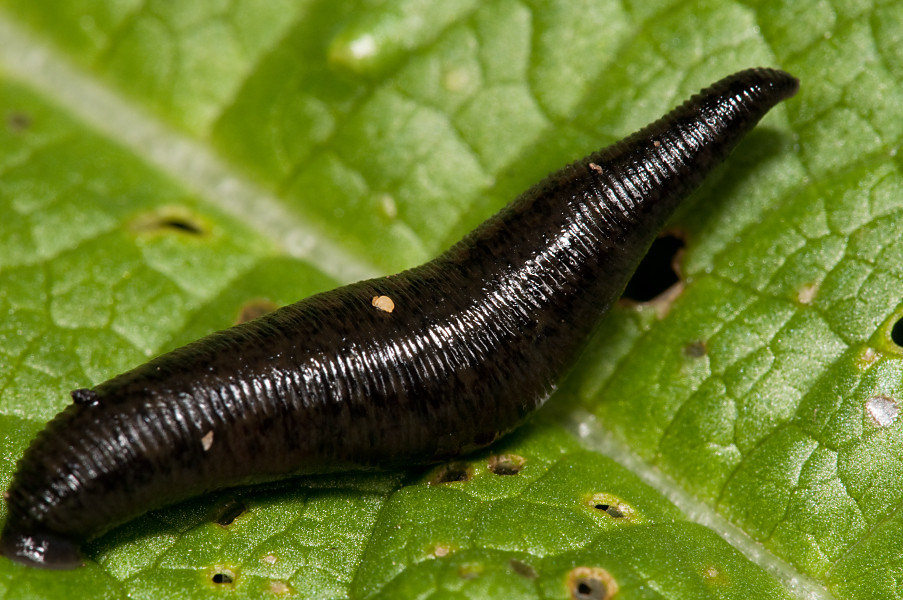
x=658 y=271
x=230 y=511
x=224 y=576
x=174 y=219
x=896 y=333
x=506 y=464
x=451 y=473
x=610 y=505
x=591 y=583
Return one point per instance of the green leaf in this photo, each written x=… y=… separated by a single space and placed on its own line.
x=166 y=167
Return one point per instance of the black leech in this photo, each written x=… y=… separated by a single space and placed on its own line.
x=330 y=383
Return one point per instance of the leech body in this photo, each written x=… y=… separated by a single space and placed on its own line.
x=408 y=369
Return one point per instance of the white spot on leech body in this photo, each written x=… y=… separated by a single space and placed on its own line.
x=207 y=440
x=595 y=167
x=656 y=143
x=882 y=410
x=363 y=47
x=383 y=303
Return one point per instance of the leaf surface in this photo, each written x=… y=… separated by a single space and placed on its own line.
x=168 y=167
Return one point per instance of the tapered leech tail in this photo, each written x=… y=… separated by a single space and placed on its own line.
x=409 y=369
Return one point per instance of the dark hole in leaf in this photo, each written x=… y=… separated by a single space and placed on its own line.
x=613 y=511
x=229 y=512
x=590 y=589
x=896 y=333
x=450 y=473
x=171 y=219
x=17 y=121
x=182 y=225
x=656 y=271
x=222 y=578
x=252 y=309
x=523 y=569
x=591 y=583
x=506 y=464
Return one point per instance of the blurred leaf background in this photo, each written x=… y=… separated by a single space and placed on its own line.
x=166 y=166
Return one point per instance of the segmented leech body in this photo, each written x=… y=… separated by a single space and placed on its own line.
x=413 y=368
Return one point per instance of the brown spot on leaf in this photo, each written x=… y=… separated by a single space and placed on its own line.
x=17 y=121
x=695 y=349
x=523 y=569
x=450 y=473
x=253 y=309
x=506 y=464
x=231 y=510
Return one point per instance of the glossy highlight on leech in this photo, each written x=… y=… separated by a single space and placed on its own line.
x=414 y=368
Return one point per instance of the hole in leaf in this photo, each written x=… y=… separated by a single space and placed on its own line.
x=612 y=511
x=252 y=309
x=611 y=505
x=229 y=512
x=450 y=473
x=657 y=271
x=173 y=219
x=17 y=121
x=591 y=583
x=506 y=464
x=896 y=333
x=523 y=569
x=222 y=578
x=181 y=225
